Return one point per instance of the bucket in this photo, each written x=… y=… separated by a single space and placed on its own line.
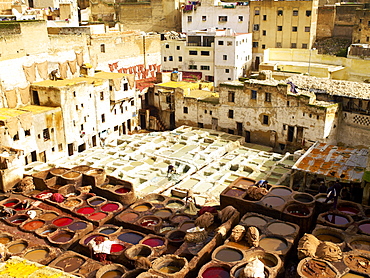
x=111 y=271
x=170 y=266
x=228 y=254
x=72 y=177
x=139 y=250
x=214 y=269
x=97 y=176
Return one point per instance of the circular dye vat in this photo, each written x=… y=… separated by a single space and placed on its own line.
x=255 y=221
x=273 y=244
x=336 y=219
x=163 y=213
x=216 y=271
x=47 y=232
x=63 y=221
x=70 y=264
x=36 y=255
x=117 y=248
x=268 y=261
x=322 y=200
x=176 y=236
x=179 y=218
x=132 y=238
x=273 y=201
x=109 y=207
x=112 y=274
x=122 y=190
x=11 y=203
x=353 y=275
x=348 y=210
x=186 y=226
x=129 y=217
x=282 y=229
x=361 y=245
x=170 y=269
x=365 y=228
x=329 y=237
x=97 y=216
x=303 y=198
x=5 y=239
x=174 y=205
x=141 y=208
x=48 y=216
x=298 y=210
x=235 y=192
x=150 y=221
x=108 y=231
x=96 y=202
x=86 y=210
x=79 y=225
x=72 y=203
x=33 y=225
x=17 y=248
x=62 y=237
x=281 y=191
x=153 y=242
x=229 y=255
x=88 y=239
x=19 y=220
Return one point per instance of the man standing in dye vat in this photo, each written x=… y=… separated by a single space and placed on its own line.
x=333 y=193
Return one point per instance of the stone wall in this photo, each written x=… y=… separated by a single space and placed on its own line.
x=325 y=22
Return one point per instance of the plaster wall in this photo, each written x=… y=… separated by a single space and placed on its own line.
x=353 y=124
x=170 y=48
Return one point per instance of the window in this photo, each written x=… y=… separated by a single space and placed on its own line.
x=210 y=112
x=74 y=94
x=308 y=13
x=264 y=17
x=102 y=48
x=222 y=18
x=231 y=114
x=170 y=58
x=293 y=45
x=280 y=28
x=167 y=45
x=253 y=94
x=164 y=59
x=204 y=53
x=190 y=18
x=304 y=45
x=256 y=27
x=227 y=70
x=268 y=97
x=294 y=28
x=278 y=45
x=288 y=103
x=178 y=47
x=256 y=12
x=263 y=46
x=168 y=99
x=180 y=58
x=185 y=110
x=240 y=18
x=280 y=12
x=263 y=32
x=46 y=134
x=193 y=52
x=27 y=132
x=254 y=44
x=101 y=95
x=295 y=13
x=82 y=127
x=60 y=147
x=220 y=42
x=224 y=57
x=125 y=86
x=307 y=29
x=231 y=97
x=200 y=125
x=204 y=67
x=229 y=43
x=132 y=103
x=192 y=67
x=76 y=107
x=16 y=137
x=367 y=39
x=102 y=118
x=265 y=119
x=204 y=18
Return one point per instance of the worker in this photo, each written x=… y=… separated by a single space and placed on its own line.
x=100 y=248
x=171 y=170
x=333 y=193
x=261 y=183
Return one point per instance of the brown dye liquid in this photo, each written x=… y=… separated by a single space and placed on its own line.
x=187 y=226
x=163 y=213
x=361 y=245
x=314 y=269
x=358 y=264
x=235 y=192
x=255 y=221
x=129 y=217
x=331 y=238
x=352 y=275
x=112 y=274
x=62 y=237
x=4 y=240
x=17 y=248
x=267 y=262
x=242 y=245
x=180 y=218
x=281 y=191
x=229 y=255
x=273 y=201
x=281 y=229
x=169 y=269
x=36 y=255
x=70 y=264
x=48 y=216
x=272 y=244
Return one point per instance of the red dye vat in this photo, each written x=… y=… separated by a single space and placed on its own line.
x=122 y=190
x=10 y=204
x=19 y=220
x=153 y=242
x=117 y=248
x=365 y=228
x=213 y=272
x=44 y=195
x=109 y=207
x=348 y=210
x=97 y=216
x=86 y=210
x=33 y=225
x=64 y=221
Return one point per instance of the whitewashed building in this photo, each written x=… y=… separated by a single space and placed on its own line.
x=215 y=13
x=212 y=55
